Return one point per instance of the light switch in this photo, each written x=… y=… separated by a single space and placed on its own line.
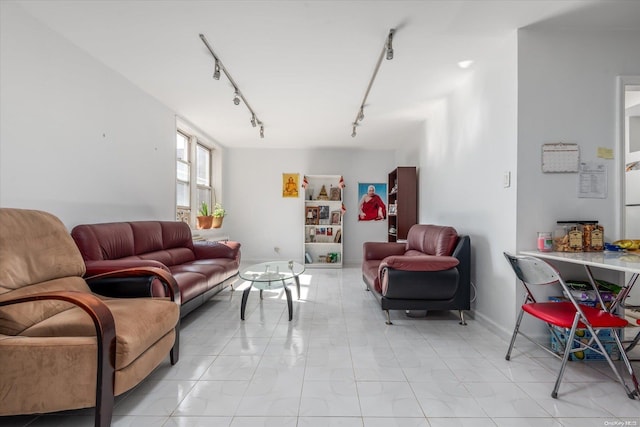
x=506 y=179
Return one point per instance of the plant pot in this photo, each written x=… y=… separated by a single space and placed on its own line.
x=204 y=222
x=217 y=221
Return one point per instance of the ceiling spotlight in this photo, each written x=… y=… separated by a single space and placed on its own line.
x=361 y=115
x=353 y=134
x=261 y=131
x=389 y=44
x=253 y=120
x=465 y=64
x=236 y=98
x=216 y=71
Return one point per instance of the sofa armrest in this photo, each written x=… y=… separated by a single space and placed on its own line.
x=105 y=266
x=419 y=263
x=212 y=250
x=145 y=273
x=381 y=250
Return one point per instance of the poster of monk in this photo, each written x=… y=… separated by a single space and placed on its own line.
x=371 y=206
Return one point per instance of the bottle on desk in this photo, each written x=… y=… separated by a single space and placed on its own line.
x=545 y=242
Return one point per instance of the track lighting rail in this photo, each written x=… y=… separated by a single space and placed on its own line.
x=219 y=66
x=387 y=51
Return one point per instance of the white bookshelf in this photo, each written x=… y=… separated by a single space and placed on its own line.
x=323 y=225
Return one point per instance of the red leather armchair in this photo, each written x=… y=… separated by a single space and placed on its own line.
x=431 y=271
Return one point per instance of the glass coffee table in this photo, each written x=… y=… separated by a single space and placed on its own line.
x=271 y=275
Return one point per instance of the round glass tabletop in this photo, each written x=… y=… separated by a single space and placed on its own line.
x=272 y=271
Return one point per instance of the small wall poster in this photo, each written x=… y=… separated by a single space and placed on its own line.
x=290 y=182
x=371 y=205
x=592 y=180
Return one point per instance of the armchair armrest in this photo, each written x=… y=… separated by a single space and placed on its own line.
x=381 y=250
x=419 y=263
x=106 y=342
x=209 y=250
x=144 y=275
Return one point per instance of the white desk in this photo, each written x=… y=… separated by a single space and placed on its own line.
x=628 y=262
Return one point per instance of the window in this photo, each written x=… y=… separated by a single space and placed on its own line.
x=194 y=174
x=203 y=175
x=183 y=171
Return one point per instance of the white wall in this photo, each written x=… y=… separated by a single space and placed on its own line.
x=567 y=87
x=77 y=139
x=568 y=92
x=260 y=218
x=470 y=143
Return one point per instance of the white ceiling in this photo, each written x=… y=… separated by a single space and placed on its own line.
x=304 y=66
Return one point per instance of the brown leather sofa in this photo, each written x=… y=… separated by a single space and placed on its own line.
x=61 y=346
x=201 y=268
x=431 y=271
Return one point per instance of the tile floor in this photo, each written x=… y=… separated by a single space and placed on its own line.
x=337 y=364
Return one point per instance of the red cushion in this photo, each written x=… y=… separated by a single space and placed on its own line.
x=420 y=263
x=562 y=313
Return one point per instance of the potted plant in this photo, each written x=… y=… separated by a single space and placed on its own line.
x=204 y=219
x=218 y=215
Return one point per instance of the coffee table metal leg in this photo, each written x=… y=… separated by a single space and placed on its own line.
x=289 y=303
x=297 y=285
x=245 y=296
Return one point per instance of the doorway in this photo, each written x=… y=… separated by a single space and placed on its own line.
x=629 y=131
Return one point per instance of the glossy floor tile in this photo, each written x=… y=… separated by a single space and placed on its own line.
x=337 y=364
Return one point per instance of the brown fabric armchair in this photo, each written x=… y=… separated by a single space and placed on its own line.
x=431 y=271
x=61 y=346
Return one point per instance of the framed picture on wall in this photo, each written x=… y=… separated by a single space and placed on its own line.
x=371 y=205
x=290 y=184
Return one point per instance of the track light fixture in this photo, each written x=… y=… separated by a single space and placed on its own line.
x=238 y=96
x=216 y=71
x=388 y=51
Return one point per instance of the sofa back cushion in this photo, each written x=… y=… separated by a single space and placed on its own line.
x=147 y=237
x=169 y=242
x=432 y=239
x=98 y=242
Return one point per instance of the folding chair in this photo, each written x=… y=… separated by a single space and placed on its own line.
x=566 y=314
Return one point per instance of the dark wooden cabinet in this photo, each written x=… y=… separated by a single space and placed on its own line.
x=402 y=211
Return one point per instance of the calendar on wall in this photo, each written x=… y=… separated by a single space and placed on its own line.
x=560 y=157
